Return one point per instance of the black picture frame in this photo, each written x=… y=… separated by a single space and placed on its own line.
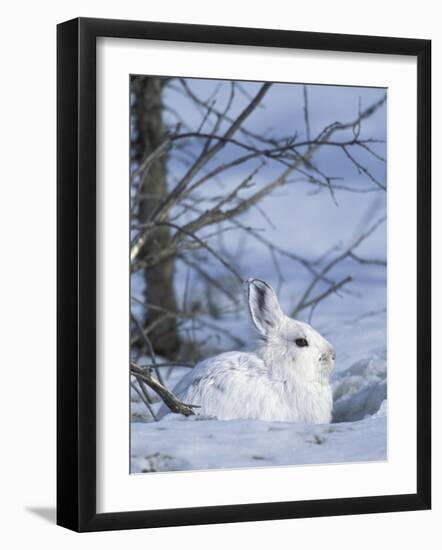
x=76 y=274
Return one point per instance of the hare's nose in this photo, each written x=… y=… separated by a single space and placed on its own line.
x=329 y=356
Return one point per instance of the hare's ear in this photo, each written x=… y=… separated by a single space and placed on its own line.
x=264 y=307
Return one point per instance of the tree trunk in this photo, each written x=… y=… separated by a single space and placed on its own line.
x=149 y=134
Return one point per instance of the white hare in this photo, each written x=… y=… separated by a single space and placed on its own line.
x=286 y=379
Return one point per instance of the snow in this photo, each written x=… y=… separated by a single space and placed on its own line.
x=360 y=391
x=194 y=443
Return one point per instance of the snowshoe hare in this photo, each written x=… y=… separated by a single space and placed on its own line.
x=286 y=379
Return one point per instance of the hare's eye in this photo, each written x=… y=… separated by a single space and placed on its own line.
x=301 y=342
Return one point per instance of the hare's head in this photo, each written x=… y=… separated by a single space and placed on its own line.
x=287 y=345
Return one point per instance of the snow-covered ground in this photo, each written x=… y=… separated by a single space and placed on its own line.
x=177 y=443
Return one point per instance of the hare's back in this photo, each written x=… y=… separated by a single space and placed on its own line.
x=218 y=375
x=223 y=367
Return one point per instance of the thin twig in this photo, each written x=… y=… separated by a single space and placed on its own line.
x=143 y=398
x=320 y=297
x=148 y=344
x=206 y=246
x=367 y=261
x=306 y=113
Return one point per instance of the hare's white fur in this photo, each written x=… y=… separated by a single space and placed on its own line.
x=281 y=381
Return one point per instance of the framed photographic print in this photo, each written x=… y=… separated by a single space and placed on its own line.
x=243 y=274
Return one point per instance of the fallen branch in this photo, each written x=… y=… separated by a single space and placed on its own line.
x=174 y=404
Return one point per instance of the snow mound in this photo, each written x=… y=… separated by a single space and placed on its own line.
x=360 y=391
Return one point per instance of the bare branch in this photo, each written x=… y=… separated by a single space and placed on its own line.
x=331 y=290
x=160 y=150
x=305 y=297
x=202 y=322
x=207 y=155
x=306 y=113
x=148 y=344
x=370 y=150
x=183 y=364
x=174 y=404
x=366 y=261
x=211 y=280
x=362 y=169
x=143 y=397
x=228 y=266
